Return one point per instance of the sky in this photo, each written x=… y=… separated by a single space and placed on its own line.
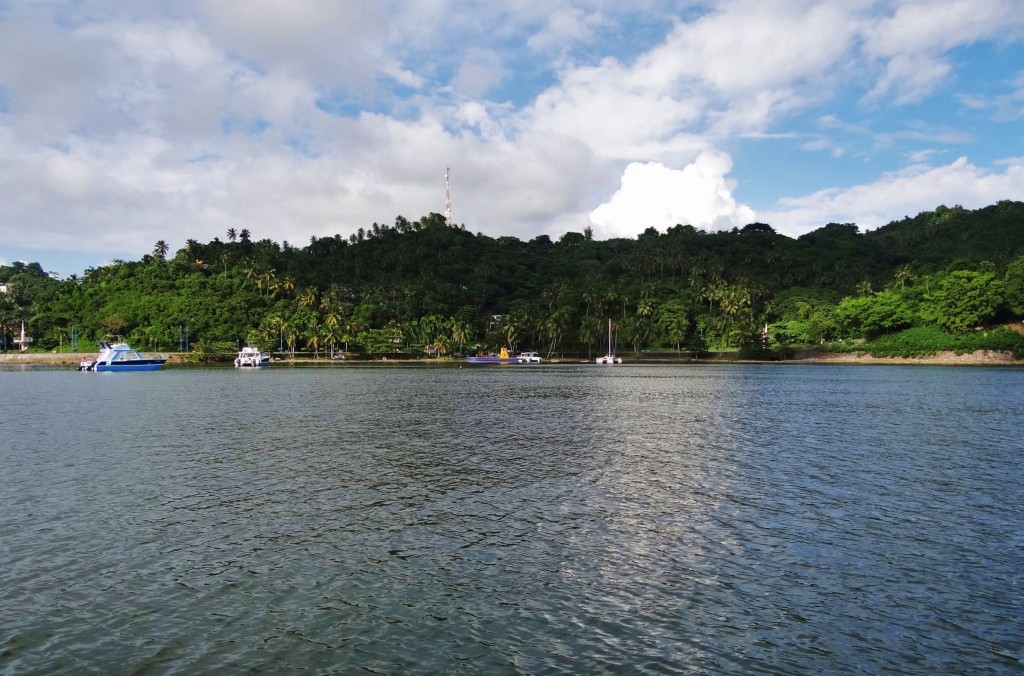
x=123 y=124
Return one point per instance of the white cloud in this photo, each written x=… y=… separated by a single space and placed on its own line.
x=911 y=43
x=908 y=192
x=747 y=46
x=932 y=26
x=912 y=76
x=1006 y=107
x=564 y=26
x=653 y=195
x=122 y=124
x=338 y=43
x=480 y=71
x=615 y=112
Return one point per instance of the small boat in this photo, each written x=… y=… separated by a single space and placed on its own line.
x=609 y=358
x=121 y=357
x=502 y=357
x=250 y=356
x=529 y=358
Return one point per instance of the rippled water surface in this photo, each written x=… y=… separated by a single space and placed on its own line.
x=554 y=519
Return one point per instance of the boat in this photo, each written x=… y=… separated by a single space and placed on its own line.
x=609 y=358
x=529 y=358
x=250 y=356
x=502 y=357
x=23 y=341
x=121 y=357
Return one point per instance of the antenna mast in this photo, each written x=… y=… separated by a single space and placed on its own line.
x=447 y=199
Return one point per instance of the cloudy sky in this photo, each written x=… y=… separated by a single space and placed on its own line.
x=124 y=123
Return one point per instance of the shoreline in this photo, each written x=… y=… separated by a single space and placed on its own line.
x=978 y=358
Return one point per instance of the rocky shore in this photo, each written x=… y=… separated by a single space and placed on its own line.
x=979 y=358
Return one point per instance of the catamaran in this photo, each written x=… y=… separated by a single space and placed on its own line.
x=609 y=358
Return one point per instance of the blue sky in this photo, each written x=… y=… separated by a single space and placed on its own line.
x=122 y=124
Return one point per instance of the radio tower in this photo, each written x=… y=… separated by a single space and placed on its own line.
x=447 y=199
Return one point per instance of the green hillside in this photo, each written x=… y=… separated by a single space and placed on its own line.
x=397 y=288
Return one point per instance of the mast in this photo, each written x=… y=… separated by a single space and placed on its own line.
x=23 y=340
x=447 y=199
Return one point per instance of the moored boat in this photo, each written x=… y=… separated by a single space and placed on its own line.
x=251 y=357
x=121 y=357
x=609 y=358
x=502 y=357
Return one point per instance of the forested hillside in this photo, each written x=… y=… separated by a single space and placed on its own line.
x=401 y=287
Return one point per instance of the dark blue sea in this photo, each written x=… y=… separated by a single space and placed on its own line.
x=551 y=519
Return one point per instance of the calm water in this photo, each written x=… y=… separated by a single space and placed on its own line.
x=513 y=520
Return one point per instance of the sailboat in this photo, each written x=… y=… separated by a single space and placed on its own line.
x=24 y=340
x=609 y=358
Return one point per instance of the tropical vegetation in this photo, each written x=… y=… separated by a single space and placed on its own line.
x=941 y=280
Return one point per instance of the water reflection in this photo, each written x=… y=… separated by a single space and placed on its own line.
x=566 y=519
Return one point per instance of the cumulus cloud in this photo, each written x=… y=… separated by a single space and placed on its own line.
x=653 y=195
x=911 y=43
x=907 y=192
x=479 y=73
x=338 y=43
x=122 y=124
x=747 y=46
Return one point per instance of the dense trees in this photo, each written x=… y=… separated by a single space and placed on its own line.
x=422 y=285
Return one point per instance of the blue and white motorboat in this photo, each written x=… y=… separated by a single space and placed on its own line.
x=121 y=357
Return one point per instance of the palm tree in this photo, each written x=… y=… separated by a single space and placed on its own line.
x=307 y=298
x=313 y=341
x=512 y=327
x=460 y=333
x=624 y=299
x=252 y=273
x=232 y=234
x=673 y=323
x=590 y=331
x=641 y=332
x=429 y=328
x=554 y=327
x=244 y=236
x=291 y=337
x=281 y=324
x=266 y=279
x=441 y=346
x=903 y=275
x=733 y=299
x=161 y=249
x=330 y=334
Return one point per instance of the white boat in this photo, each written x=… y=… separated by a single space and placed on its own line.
x=250 y=356
x=609 y=358
x=120 y=357
x=530 y=358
